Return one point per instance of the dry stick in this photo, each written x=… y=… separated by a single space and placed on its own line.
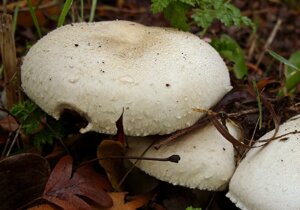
x=172 y=158
x=252 y=40
x=4 y=7
x=201 y=123
x=269 y=41
x=133 y=165
x=6 y=145
x=13 y=141
x=9 y=59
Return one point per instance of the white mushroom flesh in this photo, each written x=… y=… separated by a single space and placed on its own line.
x=269 y=177
x=206 y=159
x=157 y=75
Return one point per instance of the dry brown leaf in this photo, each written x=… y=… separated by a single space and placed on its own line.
x=114 y=168
x=9 y=123
x=43 y=207
x=67 y=190
x=122 y=203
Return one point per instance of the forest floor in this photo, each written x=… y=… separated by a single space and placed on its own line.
x=278 y=29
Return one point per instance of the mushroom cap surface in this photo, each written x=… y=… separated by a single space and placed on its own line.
x=268 y=178
x=206 y=158
x=156 y=75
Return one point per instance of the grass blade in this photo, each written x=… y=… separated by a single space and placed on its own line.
x=283 y=60
x=93 y=9
x=64 y=12
x=15 y=18
x=258 y=103
x=34 y=18
x=81 y=10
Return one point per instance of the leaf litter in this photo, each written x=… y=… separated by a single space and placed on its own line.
x=73 y=190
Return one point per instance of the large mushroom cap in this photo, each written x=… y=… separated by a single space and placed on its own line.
x=206 y=159
x=269 y=177
x=156 y=75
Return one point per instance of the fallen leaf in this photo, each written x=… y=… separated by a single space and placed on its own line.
x=68 y=191
x=114 y=168
x=43 y=207
x=22 y=179
x=9 y=123
x=127 y=203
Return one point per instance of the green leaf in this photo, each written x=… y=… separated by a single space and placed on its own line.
x=159 y=5
x=29 y=116
x=176 y=14
x=64 y=13
x=228 y=14
x=292 y=76
x=203 y=18
x=229 y=49
x=204 y=13
x=189 y=2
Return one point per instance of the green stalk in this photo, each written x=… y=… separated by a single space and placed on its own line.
x=34 y=18
x=93 y=9
x=15 y=17
x=64 y=12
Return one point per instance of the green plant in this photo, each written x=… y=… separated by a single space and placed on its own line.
x=64 y=12
x=291 y=71
x=34 y=18
x=191 y=208
x=15 y=17
x=204 y=13
x=33 y=121
x=93 y=9
x=230 y=50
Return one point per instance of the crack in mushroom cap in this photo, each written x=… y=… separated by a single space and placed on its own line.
x=157 y=75
x=268 y=178
x=206 y=158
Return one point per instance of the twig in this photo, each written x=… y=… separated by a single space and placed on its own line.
x=4 y=7
x=269 y=41
x=133 y=165
x=9 y=58
x=201 y=123
x=14 y=141
x=252 y=40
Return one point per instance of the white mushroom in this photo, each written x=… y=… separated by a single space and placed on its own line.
x=206 y=159
x=269 y=177
x=157 y=75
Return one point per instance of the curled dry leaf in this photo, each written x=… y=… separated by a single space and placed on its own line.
x=68 y=190
x=114 y=168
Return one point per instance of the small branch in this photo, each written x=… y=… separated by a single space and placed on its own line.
x=172 y=158
x=14 y=141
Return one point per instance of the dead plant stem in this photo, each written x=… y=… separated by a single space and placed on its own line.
x=269 y=41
